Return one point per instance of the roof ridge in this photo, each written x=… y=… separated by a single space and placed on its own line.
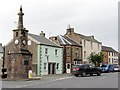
x=43 y=40
x=72 y=40
x=106 y=48
x=88 y=38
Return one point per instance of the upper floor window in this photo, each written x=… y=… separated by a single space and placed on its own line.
x=112 y=53
x=116 y=54
x=68 y=51
x=46 y=50
x=109 y=53
x=84 y=54
x=47 y=58
x=84 y=43
x=76 y=53
x=91 y=45
x=98 y=47
x=80 y=42
x=56 y=51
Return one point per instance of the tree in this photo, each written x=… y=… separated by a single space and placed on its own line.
x=96 y=59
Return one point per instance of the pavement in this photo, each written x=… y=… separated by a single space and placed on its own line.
x=28 y=79
x=54 y=76
x=41 y=77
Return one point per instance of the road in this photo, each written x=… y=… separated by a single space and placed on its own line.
x=106 y=80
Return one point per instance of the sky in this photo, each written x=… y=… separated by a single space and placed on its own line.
x=87 y=17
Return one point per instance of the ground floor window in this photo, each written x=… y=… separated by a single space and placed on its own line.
x=76 y=62
x=45 y=66
x=57 y=65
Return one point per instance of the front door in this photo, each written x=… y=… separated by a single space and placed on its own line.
x=68 y=68
x=51 y=68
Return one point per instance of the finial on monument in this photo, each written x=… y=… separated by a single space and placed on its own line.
x=20 y=20
x=20 y=7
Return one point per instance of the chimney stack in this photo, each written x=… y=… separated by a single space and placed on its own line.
x=0 y=44
x=92 y=36
x=70 y=30
x=42 y=34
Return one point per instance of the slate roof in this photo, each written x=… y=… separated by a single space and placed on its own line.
x=1 y=49
x=64 y=40
x=43 y=40
x=89 y=38
x=109 y=49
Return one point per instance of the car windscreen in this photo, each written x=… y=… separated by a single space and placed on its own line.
x=104 y=66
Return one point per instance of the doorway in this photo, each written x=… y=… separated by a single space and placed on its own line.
x=51 y=68
x=68 y=67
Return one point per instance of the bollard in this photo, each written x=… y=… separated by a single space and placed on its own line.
x=30 y=74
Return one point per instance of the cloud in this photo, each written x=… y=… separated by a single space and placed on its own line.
x=89 y=17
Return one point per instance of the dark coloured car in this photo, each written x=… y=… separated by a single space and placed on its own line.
x=85 y=69
x=107 y=68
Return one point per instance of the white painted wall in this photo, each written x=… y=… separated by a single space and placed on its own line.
x=113 y=58
x=90 y=50
x=52 y=58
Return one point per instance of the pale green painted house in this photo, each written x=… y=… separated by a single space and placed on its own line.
x=47 y=56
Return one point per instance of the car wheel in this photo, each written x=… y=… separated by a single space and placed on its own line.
x=83 y=74
x=91 y=74
x=113 y=71
x=99 y=73
x=76 y=75
x=108 y=71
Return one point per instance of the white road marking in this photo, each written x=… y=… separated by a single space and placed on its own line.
x=102 y=77
x=29 y=81
x=42 y=82
x=21 y=86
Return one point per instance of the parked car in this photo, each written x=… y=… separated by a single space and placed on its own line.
x=85 y=69
x=116 y=68
x=107 y=68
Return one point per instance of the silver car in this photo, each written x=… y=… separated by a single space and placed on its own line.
x=116 y=68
